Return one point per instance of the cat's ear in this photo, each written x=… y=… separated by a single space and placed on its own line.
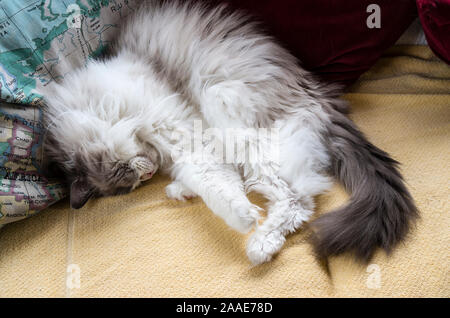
x=80 y=192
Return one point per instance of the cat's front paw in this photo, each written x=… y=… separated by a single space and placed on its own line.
x=262 y=246
x=177 y=191
x=244 y=216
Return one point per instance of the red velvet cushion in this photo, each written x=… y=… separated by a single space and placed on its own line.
x=435 y=18
x=331 y=37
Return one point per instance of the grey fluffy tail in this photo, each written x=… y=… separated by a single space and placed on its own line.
x=381 y=209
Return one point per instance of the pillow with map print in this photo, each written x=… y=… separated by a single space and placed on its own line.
x=41 y=41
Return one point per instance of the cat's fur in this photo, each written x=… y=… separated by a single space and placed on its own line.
x=111 y=124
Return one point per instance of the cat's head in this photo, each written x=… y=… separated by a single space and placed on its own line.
x=98 y=156
x=100 y=165
x=94 y=131
x=96 y=178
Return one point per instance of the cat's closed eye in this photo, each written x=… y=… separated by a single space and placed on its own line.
x=122 y=190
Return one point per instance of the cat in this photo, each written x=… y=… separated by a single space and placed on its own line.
x=111 y=126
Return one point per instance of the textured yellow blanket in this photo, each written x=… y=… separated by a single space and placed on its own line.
x=145 y=245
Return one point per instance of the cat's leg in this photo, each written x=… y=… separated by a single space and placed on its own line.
x=222 y=190
x=285 y=214
x=290 y=188
x=178 y=191
x=241 y=106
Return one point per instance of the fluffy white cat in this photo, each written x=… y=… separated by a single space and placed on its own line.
x=112 y=125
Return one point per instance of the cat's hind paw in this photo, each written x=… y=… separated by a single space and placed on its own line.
x=177 y=191
x=262 y=246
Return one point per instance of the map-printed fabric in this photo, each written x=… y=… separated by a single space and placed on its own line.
x=41 y=41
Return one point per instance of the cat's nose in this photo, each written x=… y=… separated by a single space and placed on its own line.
x=147 y=176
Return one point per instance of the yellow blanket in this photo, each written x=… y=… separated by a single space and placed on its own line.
x=145 y=245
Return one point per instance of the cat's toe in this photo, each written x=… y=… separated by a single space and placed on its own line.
x=262 y=246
